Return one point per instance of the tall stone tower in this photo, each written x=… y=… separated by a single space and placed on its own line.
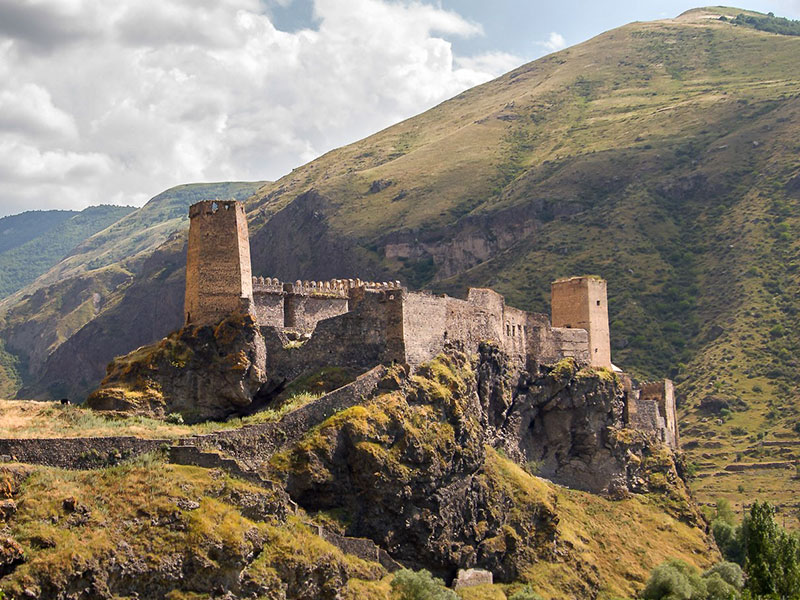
x=582 y=303
x=218 y=274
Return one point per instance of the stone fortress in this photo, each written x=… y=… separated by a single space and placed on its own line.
x=309 y=325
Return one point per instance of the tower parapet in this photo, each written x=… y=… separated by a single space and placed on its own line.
x=218 y=273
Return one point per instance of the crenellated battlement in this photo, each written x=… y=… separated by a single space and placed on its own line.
x=333 y=287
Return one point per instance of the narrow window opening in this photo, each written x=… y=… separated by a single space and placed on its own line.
x=598 y=303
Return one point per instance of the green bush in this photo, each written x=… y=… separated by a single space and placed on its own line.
x=676 y=580
x=729 y=572
x=525 y=593
x=174 y=418
x=419 y=585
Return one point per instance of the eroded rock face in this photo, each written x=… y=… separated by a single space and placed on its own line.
x=416 y=469
x=200 y=372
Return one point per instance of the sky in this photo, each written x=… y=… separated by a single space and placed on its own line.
x=112 y=102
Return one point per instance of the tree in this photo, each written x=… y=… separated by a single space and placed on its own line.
x=772 y=556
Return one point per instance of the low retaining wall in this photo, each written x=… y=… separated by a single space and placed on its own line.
x=765 y=465
x=252 y=443
x=259 y=442
x=77 y=453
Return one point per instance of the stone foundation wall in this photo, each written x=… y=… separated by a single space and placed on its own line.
x=77 y=453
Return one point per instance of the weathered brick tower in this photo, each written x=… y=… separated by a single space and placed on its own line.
x=581 y=302
x=218 y=274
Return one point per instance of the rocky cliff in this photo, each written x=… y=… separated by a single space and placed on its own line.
x=202 y=373
x=436 y=468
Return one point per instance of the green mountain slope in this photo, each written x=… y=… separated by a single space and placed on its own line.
x=662 y=156
x=18 y=229
x=21 y=263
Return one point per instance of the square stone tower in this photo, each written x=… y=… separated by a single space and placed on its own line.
x=218 y=273
x=581 y=303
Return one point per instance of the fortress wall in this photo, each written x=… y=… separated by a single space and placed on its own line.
x=515 y=328
x=547 y=345
x=268 y=308
x=77 y=453
x=370 y=334
x=658 y=399
x=303 y=312
x=218 y=262
x=424 y=326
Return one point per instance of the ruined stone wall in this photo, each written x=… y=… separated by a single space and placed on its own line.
x=302 y=312
x=581 y=302
x=547 y=345
x=218 y=276
x=429 y=322
x=77 y=453
x=651 y=407
x=371 y=333
x=477 y=319
x=425 y=330
x=515 y=328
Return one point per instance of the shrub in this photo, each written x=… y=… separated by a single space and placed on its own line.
x=419 y=585
x=676 y=580
x=730 y=572
x=672 y=581
x=174 y=418
x=525 y=593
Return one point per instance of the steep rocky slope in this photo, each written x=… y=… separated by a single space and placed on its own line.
x=662 y=156
x=427 y=467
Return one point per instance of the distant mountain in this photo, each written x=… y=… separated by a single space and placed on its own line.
x=33 y=242
x=662 y=156
x=18 y=229
x=91 y=278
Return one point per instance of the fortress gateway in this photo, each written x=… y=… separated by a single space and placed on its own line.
x=308 y=325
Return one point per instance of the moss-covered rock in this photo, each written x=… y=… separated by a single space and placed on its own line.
x=200 y=372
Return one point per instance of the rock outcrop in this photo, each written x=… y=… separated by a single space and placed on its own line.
x=201 y=373
x=419 y=470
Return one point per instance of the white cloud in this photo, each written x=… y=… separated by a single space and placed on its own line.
x=114 y=101
x=555 y=42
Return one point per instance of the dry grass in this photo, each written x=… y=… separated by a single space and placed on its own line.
x=128 y=506
x=31 y=419
x=616 y=542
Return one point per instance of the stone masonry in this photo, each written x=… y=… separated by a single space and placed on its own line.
x=309 y=325
x=218 y=277
x=581 y=302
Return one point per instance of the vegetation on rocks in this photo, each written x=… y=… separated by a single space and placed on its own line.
x=202 y=372
x=155 y=530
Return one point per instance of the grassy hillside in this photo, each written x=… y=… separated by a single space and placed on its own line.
x=33 y=242
x=225 y=537
x=662 y=156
